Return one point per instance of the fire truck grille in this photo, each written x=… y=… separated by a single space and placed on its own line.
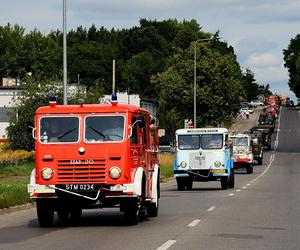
x=81 y=171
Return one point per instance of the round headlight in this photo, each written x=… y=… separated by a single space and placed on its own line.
x=218 y=164
x=47 y=173
x=183 y=164
x=115 y=172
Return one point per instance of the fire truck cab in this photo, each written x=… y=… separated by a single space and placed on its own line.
x=94 y=156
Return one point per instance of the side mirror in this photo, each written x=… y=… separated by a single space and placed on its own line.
x=141 y=121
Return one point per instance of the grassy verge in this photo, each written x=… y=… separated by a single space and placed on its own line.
x=166 y=166
x=13 y=185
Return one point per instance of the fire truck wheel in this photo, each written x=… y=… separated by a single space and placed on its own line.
x=132 y=212
x=250 y=169
x=224 y=182
x=231 y=179
x=63 y=214
x=75 y=214
x=152 y=207
x=45 y=212
x=180 y=184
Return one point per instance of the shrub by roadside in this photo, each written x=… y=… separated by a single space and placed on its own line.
x=166 y=166
x=12 y=158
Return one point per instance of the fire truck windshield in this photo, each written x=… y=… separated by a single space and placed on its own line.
x=59 y=129
x=104 y=128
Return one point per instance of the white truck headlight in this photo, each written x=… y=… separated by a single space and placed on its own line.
x=218 y=164
x=115 y=172
x=47 y=173
x=183 y=164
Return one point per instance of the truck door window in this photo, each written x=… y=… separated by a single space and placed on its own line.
x=134 y=136
x=59 y=129
x=104 y=128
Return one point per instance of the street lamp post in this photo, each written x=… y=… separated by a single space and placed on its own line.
x=65 y=51
x=195 y=77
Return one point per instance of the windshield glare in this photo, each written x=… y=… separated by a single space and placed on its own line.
x=212 y=141
x=205 y=141
x=59 y=129
x=189 y=141
x=104 y=128
x=240 y=141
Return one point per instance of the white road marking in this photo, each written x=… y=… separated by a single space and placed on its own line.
x=211 y=209
x=244 y=187
x=238 y=190
x=248 y=184
x=194 y=223
x=231 y=194
x=166 y=245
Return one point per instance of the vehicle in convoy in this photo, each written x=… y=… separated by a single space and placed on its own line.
x=272 y=110
x=203 y=154
x=266 y=133
x=242 y=152
x=94 y=156
x=257 y=147
x=268 y=120
x=257 y=103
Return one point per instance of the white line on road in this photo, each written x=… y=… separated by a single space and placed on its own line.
x=231 y=194
x=211 y=209
x=166 y=245
x=238 y=190
x=244 y=187
x=194 y=223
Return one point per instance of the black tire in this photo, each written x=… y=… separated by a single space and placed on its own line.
x=231 y=179
x=63 y=214
x=260 y=160
x=189 y=184
x=75 y=214
x=132 y=213
x=45 y=212
x=180 y=184
x=152 y=207
x=224 y=182
x=250 y=169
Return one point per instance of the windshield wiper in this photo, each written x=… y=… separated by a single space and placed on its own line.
x=66 y=133
x=97 y=131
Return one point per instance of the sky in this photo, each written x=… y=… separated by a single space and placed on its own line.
x=258 y=30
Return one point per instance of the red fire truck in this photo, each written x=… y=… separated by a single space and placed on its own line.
x=94 y=156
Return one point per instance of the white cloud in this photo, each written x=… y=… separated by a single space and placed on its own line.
x=263 y=60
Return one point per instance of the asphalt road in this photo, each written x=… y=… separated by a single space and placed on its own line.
x=262 y=212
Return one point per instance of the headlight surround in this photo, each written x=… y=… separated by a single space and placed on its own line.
x=115 y=172
x=218 y=164
x=183 y=164
x=47 y=173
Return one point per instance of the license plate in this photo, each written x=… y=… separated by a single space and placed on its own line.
x=219 y=171
x=79 y=187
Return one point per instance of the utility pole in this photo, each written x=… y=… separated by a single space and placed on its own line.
x=114 y=77
x=65 y=50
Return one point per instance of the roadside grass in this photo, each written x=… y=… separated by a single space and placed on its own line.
x=166 y=166
x=13 y=191
x=19 y=170
x=13 y=185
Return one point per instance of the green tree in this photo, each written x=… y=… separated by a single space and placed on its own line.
x=292 y=63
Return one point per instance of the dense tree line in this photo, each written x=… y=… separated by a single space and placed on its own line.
x=154 y=60
x=292 y=63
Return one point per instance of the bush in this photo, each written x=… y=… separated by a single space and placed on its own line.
x=166 y=161
x=13 y=158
